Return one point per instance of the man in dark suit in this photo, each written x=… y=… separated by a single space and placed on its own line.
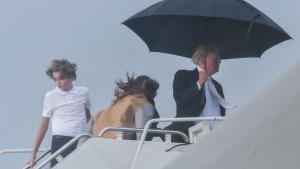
x=195 y=92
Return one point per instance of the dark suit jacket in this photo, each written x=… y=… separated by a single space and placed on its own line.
x=190 y=101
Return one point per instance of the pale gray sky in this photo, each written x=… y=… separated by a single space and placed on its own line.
x=90 y=33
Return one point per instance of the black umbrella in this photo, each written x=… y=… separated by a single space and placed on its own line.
x=179 y=26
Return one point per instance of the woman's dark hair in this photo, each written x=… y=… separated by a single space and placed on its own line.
x=140 y=84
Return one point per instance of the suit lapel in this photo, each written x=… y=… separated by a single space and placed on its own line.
x=218 y=88
x=195 y=75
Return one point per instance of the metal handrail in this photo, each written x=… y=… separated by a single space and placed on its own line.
x=185 y=119
x=37 y=159
x=15 y=151
x=140 y=130
x=63 y=148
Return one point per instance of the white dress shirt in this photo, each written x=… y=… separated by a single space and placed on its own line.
x=212 y=106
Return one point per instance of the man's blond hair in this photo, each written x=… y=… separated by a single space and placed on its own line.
x=202 y=50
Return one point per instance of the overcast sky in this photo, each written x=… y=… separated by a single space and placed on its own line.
x=90 y=33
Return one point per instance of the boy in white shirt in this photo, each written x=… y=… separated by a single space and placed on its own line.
x=67 y=105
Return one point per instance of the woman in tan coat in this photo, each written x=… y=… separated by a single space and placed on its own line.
x=132 y=107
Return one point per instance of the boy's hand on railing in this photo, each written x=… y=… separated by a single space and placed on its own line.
x=31 y=161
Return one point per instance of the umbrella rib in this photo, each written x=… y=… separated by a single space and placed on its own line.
x=251 y=25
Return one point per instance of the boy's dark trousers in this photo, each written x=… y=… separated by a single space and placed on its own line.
x=59 y=141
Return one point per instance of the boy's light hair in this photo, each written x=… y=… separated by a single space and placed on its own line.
x=202 y=50
x=66 y=68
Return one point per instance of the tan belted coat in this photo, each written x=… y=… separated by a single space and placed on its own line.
x=120 y=114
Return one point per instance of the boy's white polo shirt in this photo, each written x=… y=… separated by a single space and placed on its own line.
x=67 y=109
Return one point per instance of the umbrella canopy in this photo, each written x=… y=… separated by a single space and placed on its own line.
x=179 y=26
